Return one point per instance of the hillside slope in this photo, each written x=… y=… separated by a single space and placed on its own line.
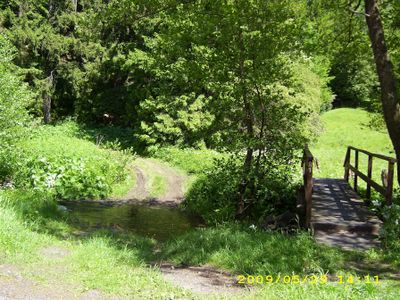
x=344 y=127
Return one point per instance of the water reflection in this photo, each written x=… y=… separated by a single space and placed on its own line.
x=158 y=222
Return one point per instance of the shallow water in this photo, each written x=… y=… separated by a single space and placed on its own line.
x=158 y=222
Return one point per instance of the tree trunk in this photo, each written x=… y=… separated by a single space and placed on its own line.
x=21 y=9
x=51 y=7
x=387 y=79
x=248 y=120
x=245 y=182
x=46 y=108
x=47 y=99
x=75 y=5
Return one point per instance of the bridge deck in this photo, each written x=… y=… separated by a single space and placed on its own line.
x=340 y=218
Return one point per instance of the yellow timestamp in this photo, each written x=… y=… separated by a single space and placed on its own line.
x=305 y=279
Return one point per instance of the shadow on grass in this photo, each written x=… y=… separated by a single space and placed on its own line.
x=241 y=250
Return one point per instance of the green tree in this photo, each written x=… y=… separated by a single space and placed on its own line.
x=15 y=96
x=226 y=73
x=388 y=82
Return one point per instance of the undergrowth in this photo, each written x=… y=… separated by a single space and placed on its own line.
x=54 y=159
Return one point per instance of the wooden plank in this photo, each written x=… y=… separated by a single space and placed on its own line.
x=373 y=184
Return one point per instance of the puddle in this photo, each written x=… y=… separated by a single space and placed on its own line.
x=158 y=222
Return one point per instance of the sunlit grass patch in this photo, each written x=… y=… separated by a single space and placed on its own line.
x=349 y=127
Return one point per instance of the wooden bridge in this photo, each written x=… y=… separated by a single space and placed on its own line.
x=335 y=212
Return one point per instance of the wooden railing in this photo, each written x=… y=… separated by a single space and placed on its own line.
x=307 y=164
x=386 y=189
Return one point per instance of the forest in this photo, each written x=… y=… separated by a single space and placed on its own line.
x=154 y=149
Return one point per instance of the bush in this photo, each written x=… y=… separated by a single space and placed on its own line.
x=69 y=178
x=391 y=231
x=214 y=194
x=14 y=98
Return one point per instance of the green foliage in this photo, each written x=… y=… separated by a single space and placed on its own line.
x=14 y=95
x=14 y=99
x=54 y=160
x=212 y=94
x=213 y=194
x=339 y=35
x=391 y=232
x=70 y=178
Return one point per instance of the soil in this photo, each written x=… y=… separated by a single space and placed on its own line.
x=201 y=279
x=139 y=192
x=174 y=181
x=13 y=285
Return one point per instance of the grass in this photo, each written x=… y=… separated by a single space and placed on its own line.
x=61 y=143
x=96 y=262
x=253 y=251
x=344 y=127
x=192 y=161
x=118 y=264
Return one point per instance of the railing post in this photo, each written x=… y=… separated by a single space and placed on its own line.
x=346 y=164
x=389 y=189
x=355 y=174
x=308 y=184
x=368 y=193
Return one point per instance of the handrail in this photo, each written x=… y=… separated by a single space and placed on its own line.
x=387 y=189
x=377 y=155
x=307 y=164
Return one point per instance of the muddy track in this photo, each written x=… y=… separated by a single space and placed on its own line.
x=174 y=181
x=139 y=192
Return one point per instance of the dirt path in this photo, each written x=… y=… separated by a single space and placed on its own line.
x=14 y=284
x=146 y=170
x=204 y=280
x=174 y=180
x=139 y=192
